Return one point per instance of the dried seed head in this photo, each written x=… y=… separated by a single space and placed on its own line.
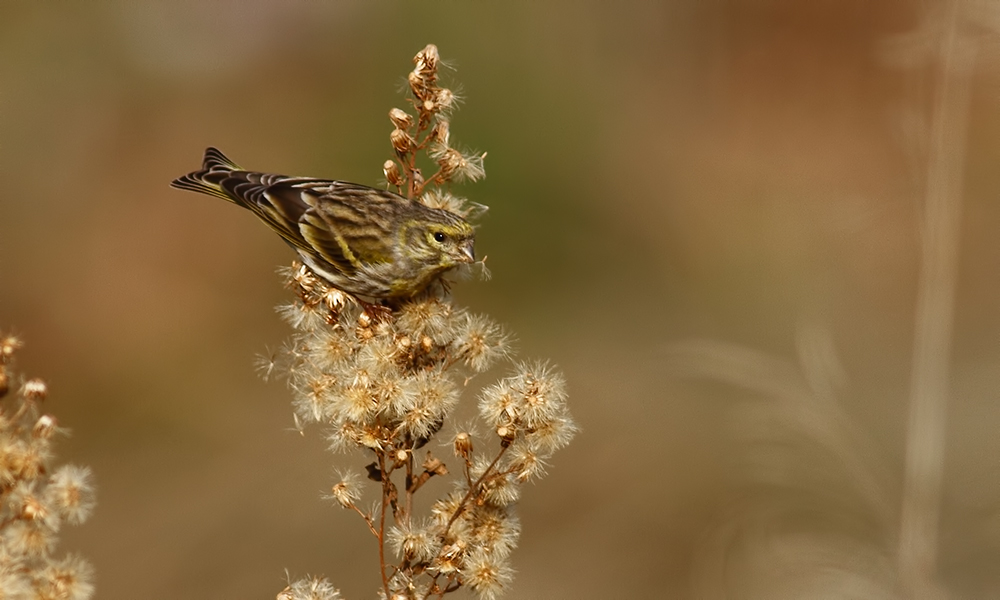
x=427 y=321
x=441 y=199
x=487 y=574
x=525 y=463
x=334 y=299
x=416 y=83
x=35 y=390
x=346 y=492
x=481 y=342
x=9 y=344
x=303 y=277
x=29 y=538
x=414 y=541
x=32 y=509
x=434 y=465
x=463 y=445
x=402 y=142
x=403 y=343
x=392 y=174
x=450 y=161
x=400 y=118
x=495 y=530
x=44 y=427
x=426 y=60
x=71 y=493
x=445 y=99
x=552 y=434
x=304 y=317
x=441 y=133
x=312 y=588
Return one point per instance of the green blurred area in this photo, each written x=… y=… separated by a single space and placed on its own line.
x=738 y=171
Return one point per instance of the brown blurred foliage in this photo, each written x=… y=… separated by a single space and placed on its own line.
x=748 y=172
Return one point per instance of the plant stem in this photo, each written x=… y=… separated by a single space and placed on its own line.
x=472 y=489
x=925 y=443
x=381 y=525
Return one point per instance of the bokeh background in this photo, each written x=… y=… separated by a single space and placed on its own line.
x=708 y=214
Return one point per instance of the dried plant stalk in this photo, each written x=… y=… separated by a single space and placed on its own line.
x=929 y=381
x=384 y=380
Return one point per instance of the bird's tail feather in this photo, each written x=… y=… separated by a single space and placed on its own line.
x=215 y=167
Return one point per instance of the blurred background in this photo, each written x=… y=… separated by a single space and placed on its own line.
x=708 y=214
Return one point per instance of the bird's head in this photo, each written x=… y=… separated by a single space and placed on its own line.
x=442 y=240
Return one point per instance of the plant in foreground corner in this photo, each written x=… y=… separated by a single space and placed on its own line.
x=35 y=498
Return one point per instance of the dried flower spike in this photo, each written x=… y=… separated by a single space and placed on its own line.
x=385 y=380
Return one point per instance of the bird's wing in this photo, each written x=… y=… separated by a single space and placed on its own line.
x=289 y=205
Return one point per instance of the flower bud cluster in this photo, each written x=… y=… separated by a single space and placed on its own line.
x=35 y=498
x=429 y=130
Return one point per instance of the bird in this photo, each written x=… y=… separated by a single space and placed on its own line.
x=364 y=241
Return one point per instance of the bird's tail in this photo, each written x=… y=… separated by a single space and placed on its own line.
x=214 y=168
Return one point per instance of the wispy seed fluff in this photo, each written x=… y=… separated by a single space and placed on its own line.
x=415 y=543
x=379 y=376
x=386 y=381
x=489 y=575
x=347 y=491
x=530 y=406
x=310 y=588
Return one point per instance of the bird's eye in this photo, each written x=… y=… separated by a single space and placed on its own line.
x=438 y=237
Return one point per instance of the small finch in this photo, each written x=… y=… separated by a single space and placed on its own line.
x=364 y=241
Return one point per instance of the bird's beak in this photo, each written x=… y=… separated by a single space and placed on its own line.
x=469 y=252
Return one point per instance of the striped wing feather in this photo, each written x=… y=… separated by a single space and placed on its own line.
x=330 y=220
x=346 y=225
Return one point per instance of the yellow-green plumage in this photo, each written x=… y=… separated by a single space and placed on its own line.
x=362 y=240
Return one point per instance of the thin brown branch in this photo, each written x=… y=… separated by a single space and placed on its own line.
x=472 y=489
x=381 y=526
x=409 y=488
x=368 y=520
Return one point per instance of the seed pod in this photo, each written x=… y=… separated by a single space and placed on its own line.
x=416 y=84
x=506 y=435
x=392 y=174
x=8 y=346
x=441 y=133
x=402 y=142
x=427 y=60
x=44 y=427
x=463 y=445
x=400 y=118
x=450 y=161
x=35 y=389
